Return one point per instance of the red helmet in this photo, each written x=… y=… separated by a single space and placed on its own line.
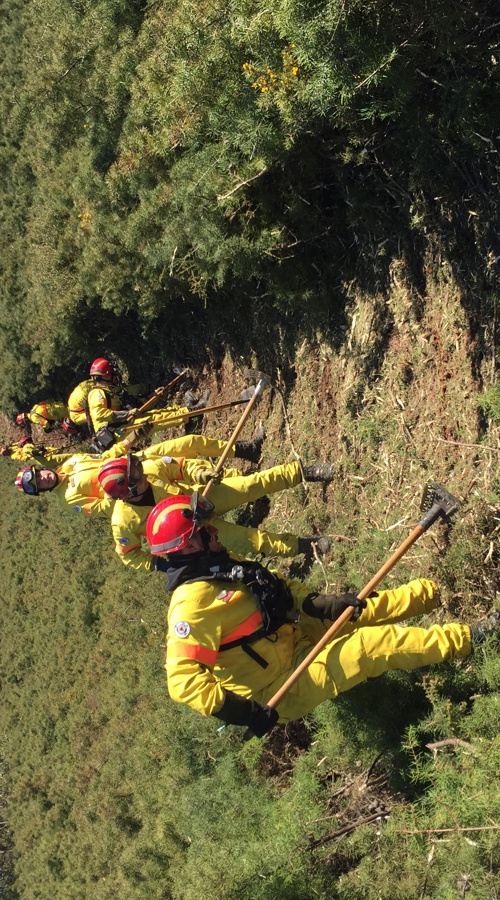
x=119 y=477
x=21 y=419
x=26 y=480
x=104 y=368
x=174 y=520
x=68 y=426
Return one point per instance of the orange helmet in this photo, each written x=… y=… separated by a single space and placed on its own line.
x=174 y=520
x=26 y=480
x=105 y=369
x=119 y=477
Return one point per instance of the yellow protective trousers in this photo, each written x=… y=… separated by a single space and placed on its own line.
x=372 y=645
x=238 y=490
x=161 y=419
x=189 y=446
x=243 y=541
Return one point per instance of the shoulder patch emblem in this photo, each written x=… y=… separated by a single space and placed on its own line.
x=77 y=508
x=167 y=460
x=225 y=596
x=123 y=541
x=182 y=629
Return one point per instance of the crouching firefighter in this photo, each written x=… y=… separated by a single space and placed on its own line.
x=141 y=480
x=237 y=631
x=105 y=415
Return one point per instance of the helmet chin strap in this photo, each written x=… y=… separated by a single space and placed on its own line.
x=187 y=558
x=205 y=537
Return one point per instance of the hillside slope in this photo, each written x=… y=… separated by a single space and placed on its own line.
x=114 y=791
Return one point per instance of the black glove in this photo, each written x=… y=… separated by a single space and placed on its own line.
x=160 y=564
x=331 y=606
x=238 y=710
x=123 y=415
x=263 y=719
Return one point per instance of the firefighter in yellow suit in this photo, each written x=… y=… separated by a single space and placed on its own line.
x=222 y=660
x=72 y=478
x=24 y=450
x=104 y=404
x=46 y=414
x=139 y=484
x=77 y=403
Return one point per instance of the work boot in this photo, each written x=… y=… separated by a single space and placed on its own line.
x=489 y=627
x=320 y=472
x=247 y=394
x=322 y=544
x=192 y=403
x=251 y=450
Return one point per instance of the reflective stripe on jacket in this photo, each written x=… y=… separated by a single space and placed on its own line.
x=47 y=412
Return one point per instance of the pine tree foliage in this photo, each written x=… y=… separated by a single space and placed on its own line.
x=161 y=159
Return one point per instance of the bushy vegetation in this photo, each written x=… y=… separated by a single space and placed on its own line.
x=313 y=189
x=176 y=173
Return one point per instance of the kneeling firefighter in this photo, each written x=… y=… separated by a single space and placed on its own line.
x=105 y=412
x=237 y=631
x=137 y=482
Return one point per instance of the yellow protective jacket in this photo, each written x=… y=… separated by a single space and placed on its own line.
x=47 y=413
x=102 y=402
x=203 y=616
x=77 y=402
x=78 y=486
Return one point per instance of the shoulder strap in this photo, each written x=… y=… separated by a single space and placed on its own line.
x=272 y=594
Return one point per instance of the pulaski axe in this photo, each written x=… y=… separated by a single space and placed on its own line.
x=263 y=381
x=437 y=503
x=159 y=393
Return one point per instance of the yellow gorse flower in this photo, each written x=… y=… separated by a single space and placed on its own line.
x=273 y=81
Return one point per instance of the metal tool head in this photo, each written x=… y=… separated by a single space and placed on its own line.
x=435 y=495
x=255 y=376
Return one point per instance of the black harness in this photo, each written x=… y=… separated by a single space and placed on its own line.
x=105 y=437
x=272 y=594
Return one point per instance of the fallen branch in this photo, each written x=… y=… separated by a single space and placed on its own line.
x=241 y=184
x=462 y=444
x=458 y=828
x=348 y=829
x=450 y=742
